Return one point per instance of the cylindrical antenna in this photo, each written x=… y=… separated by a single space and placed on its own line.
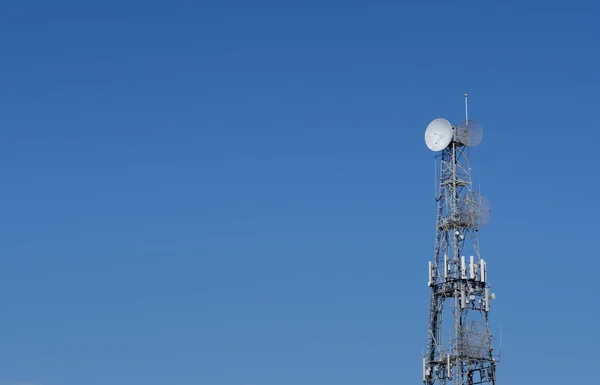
x=467 y=108
x=500 y=341
x=435 y=186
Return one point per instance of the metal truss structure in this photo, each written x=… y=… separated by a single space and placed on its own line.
x=459 y=349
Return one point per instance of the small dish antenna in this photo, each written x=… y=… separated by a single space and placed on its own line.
x=474 y=209
x=438 y=134
x=474 y=340
x=469 y=133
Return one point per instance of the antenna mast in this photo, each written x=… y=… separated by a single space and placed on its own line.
x=459 y=348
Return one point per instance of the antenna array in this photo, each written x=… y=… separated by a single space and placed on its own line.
x=459 y=348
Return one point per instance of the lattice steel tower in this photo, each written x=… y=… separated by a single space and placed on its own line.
x=459 y=349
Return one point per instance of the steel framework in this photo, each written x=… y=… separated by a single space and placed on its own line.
x=459 y=349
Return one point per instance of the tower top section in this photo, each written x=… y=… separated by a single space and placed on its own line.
x=440 y=132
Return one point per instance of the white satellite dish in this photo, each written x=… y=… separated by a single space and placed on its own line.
x=438 y=134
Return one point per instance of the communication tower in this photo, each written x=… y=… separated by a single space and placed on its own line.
x=459 y=348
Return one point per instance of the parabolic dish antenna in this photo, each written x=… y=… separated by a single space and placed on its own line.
x=469 y=133
x=438 y=134
x=474 y=209
x=474 y=340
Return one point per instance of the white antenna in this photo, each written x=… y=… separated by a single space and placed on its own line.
x=467 y=107
x=438 y=134
x=435 y=193
x=500 y=341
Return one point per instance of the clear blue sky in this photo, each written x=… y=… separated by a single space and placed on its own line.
x=239 y=193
